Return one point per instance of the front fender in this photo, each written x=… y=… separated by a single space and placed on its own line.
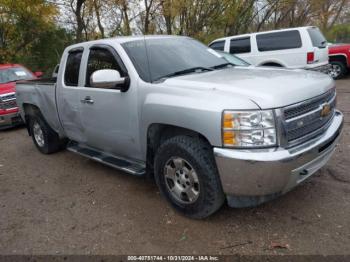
x=200 y=112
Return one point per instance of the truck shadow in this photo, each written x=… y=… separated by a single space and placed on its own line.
x=12 y=129
x=296 y=205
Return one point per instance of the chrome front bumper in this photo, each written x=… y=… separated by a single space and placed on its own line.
x=10 y=120
x=251 y=177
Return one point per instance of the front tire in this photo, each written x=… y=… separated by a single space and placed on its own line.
x=337 y=70
x=44 y=137
x=186 y=174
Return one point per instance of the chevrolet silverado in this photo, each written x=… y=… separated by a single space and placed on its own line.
x=171 y=108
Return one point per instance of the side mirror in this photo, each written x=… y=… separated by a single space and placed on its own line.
x=107 y=78
x=38 y=74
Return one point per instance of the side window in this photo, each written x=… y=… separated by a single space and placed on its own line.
x=240 y=45
x=219 y=45
x=279 y=40
x=71 y=74
x=101 y=58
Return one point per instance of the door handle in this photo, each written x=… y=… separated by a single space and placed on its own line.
x=87 y=100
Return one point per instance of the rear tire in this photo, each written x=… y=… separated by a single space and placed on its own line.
x=337 y=70
x=44 y=137
x=186 y=174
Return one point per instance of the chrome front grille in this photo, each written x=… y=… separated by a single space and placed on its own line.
x=8 y=101
x=7 y=97
x=303 y=108
x=8 y=104
x=308 y=119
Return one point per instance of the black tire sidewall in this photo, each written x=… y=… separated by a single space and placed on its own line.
x=210 y=187
x=343 y=70
x=35 y=119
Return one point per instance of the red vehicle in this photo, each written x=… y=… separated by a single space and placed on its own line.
x=9 y=75
x=339 y=59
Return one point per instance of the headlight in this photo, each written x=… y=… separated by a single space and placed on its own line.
x=248 y=129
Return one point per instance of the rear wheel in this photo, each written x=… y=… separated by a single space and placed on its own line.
x=337 y=70
x=187 y=176
x=45 y=139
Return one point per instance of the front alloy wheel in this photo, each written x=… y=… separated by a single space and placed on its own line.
x=181 y=180
x=187 y=176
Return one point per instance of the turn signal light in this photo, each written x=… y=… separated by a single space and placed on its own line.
x=229 y=138
x=228 y=121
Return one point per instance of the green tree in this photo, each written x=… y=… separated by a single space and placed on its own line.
x=28 y=33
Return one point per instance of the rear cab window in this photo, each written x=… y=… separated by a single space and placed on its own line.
x=240 y=45
x=317 y=38
x=71 y=74
x=278 y=40
x=218 y=45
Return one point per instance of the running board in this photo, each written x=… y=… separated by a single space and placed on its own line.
x=131 y=167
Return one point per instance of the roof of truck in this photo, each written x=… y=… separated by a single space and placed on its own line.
x=122 y=39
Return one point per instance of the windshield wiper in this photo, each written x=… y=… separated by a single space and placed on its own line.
x=222 y=65
x=186 y=71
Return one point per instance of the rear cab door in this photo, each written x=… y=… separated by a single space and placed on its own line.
x=67 y=93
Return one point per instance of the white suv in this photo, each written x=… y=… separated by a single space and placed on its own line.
x=302 y=47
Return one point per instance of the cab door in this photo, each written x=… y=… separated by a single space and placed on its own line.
x=67 y=94
x=109 y=116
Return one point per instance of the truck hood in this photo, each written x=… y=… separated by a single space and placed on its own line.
x=7 y=88
x=267 y=87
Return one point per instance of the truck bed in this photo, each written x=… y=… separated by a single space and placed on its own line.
x=42 y=94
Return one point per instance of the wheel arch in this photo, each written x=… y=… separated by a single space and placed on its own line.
x=272 y=63
x=339 y=58
x=157 y=133
x=29 y=110
x=50 y=117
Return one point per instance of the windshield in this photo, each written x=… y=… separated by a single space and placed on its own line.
x=317 y=38
x=14 y=74
x=166 y=56
x=233 y=59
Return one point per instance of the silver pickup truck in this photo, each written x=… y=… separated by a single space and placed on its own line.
x=170 y=108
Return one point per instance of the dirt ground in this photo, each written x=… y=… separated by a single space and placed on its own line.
x=66 y=204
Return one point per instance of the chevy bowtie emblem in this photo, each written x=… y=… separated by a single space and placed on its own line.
x=326 y=109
